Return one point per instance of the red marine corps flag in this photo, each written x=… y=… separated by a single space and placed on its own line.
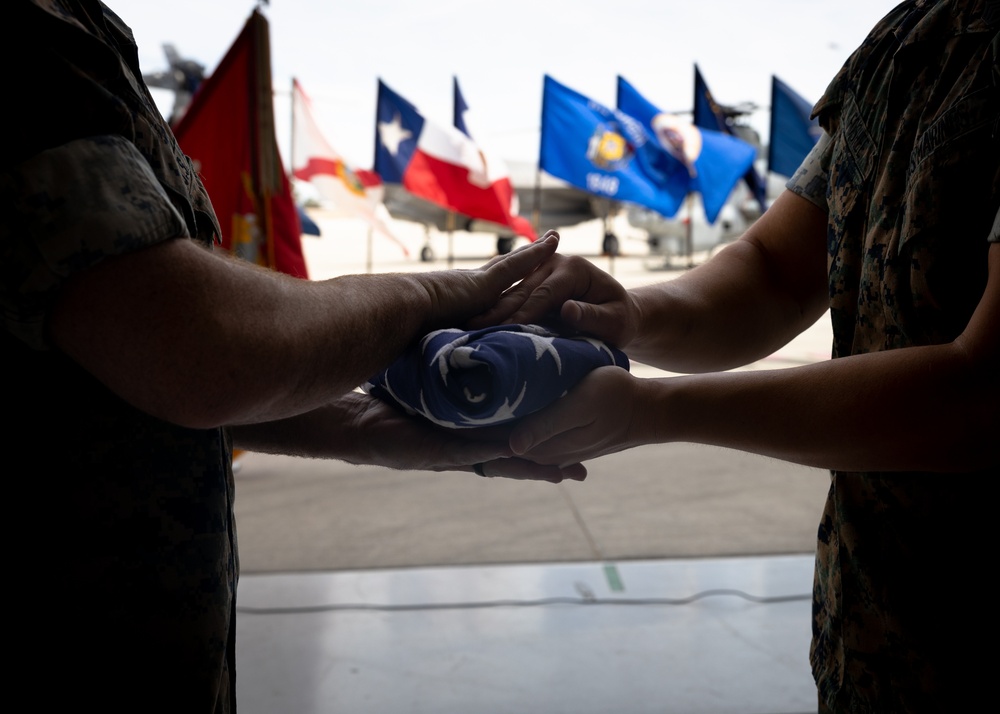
x=228 y=131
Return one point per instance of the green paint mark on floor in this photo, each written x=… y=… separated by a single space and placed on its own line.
x=613 y=578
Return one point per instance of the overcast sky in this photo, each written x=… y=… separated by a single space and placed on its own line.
x=500 y=51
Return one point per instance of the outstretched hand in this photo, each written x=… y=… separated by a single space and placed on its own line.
x=399 y=441
x=571 y=294
x=601 y=415
x=360 y=429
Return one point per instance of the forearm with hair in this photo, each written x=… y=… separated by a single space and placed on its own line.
x=724 y=314
x=204 y=340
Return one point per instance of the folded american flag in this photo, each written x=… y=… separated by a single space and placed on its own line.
x=461 y=378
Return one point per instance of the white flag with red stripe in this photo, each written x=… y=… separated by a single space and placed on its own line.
x=352 y=193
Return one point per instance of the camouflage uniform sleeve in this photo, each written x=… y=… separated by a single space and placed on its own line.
x=810 y=179
x=994 y=236
x=67 y=209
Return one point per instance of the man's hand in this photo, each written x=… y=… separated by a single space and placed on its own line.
x=457 y=295
x=570 y=293
x=360 y=429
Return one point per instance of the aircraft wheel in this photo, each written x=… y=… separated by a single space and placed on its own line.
x=504 y=245
x=426 y=254
x=611 y=246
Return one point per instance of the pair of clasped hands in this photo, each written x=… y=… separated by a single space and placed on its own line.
x=573 y=296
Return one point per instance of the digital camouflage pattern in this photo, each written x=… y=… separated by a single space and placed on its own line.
x=910 y=177
x=88 y=147
x=120 y=526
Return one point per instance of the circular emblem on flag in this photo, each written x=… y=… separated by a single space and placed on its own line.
x=608 y=149
x=350 y=179
x=681 y=139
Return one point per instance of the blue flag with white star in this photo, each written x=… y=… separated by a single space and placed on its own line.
x=471 y=378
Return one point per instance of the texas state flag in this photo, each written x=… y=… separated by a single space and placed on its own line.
x=441 y=164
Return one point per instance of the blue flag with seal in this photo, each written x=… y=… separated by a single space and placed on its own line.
x=709 y=115
x=715 y=161
x=607 y=152
x=793 y=132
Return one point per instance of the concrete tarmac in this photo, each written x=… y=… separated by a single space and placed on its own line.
x=653 y=502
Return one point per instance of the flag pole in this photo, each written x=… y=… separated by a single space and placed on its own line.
x=291 y=149
x=689 y=239
x=370 y=240
x=536 y=211
x=608 y=232
x=451 y=230
x=291 y=143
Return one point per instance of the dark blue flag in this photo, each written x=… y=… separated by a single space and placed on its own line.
x=607 y=152
x=709 y=115
x=459 y=108
x=793 y=133
x=461 y=379
x=309 y=226
x=715 y=160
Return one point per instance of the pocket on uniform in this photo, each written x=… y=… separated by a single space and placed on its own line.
x=851 y=161
x=952 y=172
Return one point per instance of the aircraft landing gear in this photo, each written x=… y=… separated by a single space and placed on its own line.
x=611 y=245
x=504 y=245
x=427 y=253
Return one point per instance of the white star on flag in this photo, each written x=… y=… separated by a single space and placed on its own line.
x=393 y=134
x=460 y=379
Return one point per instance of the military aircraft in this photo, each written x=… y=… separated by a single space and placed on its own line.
x=550 y=202
x=689 y=231
x=183 y=76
